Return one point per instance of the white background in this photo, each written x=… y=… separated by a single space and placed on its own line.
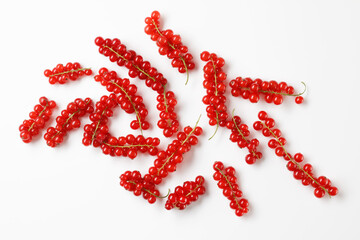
x=73 y=192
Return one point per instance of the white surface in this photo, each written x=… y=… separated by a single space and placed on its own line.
x=72 y=192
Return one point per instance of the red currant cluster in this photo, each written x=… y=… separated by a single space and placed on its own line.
x=227 y=181
x=273 y=91
x=239 y=134
x=61 y=74
x=169 y=44
x=167 y=160
x=126 y=97
x=215 y=89
x=186 y=194
x=130 y=145
x=68 y=120
x=97 y=133
x=117 y=52
x=41 y=114
x=168 y=118
x=134 y=182
x=304 y=173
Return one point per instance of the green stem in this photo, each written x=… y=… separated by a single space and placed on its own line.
x=135 y=66
x=71 y=71
x=129 y=146
x=216 y=93
x=151 y=192
x=42 y=111
x=97 y=125
x=280 y=93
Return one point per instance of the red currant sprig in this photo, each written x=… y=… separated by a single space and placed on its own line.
x=215 y=90
x=68 y=120
x=61 y=74
x=167 y=161
x=168 y=118
x=169 y=44
x=272 y=91
x=301 y=172
x=132 y=181
x=41 y=114
x=239 y=134
x=130 y=145
x=186 y=194
x=227 y=181
x=126 y=97
x=118 y=53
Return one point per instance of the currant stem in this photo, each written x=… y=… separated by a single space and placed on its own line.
x=284 y=94
x=182 y=143
x=97 y=125
x=166 y=105
x=42 y=111
x=217 y=126
x=247 y=141
x=173 y=47
x=216 y=93
x=227 y=180
x=132 y=104
x=186 y=69
x=71 y=71
x=129 y=146
x=135 y=66
x=293 y=161
x=132 y=182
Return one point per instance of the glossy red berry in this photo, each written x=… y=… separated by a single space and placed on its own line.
x=227 y=181
x=299 y=99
